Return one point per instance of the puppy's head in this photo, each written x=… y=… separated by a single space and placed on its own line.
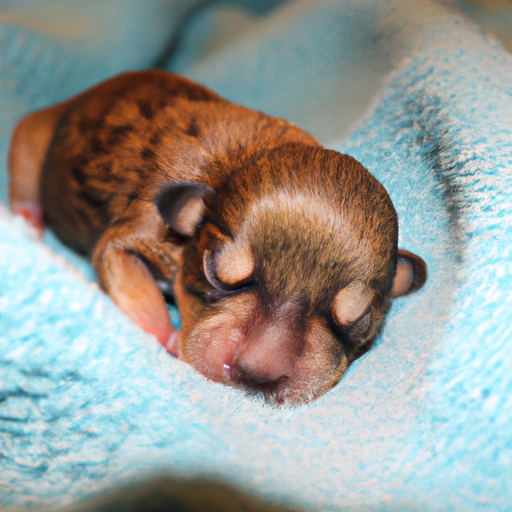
x=288 y=268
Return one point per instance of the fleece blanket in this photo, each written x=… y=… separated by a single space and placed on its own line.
x=422 y=97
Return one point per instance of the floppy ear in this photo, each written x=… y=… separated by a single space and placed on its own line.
x=411 y=274
x=181 y=206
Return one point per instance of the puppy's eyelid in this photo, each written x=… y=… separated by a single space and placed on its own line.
x=209 y=270
x=229 y=267
x=210 y=267
x=351 y=303
x=234 y=263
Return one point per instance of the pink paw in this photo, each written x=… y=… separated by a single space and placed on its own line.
x=33 y=215
x=173 y=342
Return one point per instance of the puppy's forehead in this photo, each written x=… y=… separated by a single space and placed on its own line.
x=298 y=177
x=313 y=218
x=301 y=245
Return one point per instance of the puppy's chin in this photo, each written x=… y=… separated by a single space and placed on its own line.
x=266 y=360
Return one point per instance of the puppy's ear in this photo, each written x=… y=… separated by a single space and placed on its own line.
x=411 y=274
x=181 y=206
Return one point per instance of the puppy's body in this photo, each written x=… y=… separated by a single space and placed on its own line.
x=280 y=254
x=124 y=140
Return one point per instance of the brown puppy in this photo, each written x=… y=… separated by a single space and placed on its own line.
x=281 y=255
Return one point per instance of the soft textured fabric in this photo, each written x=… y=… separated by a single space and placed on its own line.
x=423 y=98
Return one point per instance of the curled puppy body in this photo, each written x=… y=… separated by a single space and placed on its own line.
x=281 y=255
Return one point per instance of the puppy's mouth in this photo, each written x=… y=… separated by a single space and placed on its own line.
x=282 y=391
x=273 y=391
x=286 y=391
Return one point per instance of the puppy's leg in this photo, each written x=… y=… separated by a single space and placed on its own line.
x=27 y=153
x=120 y=265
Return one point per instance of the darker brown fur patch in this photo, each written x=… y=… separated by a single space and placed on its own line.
x=156 y=138
x=117 y=133
x=131 y=198
x=79 y=175
x=193 y=128
x=147 y=154
x=146 y=109
x=96 y=146
x=95 y=198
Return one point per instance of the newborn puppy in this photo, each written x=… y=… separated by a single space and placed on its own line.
x=281 y=255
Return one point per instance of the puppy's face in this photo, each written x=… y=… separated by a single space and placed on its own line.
x=287 y=271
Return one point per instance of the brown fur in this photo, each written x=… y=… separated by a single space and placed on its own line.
x=152 y=175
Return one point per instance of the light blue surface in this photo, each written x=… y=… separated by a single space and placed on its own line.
x=422 y=422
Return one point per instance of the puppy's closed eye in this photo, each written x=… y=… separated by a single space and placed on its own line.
x=360 y=327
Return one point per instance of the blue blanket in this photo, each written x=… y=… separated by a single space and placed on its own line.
x=423 y=98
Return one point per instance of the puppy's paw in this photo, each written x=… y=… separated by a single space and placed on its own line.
x=33 y=215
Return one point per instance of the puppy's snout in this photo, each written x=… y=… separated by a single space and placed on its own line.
x=267 y=361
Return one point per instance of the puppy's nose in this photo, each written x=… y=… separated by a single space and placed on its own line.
x=267 y=360
x=263 y=364
x=253 y=378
